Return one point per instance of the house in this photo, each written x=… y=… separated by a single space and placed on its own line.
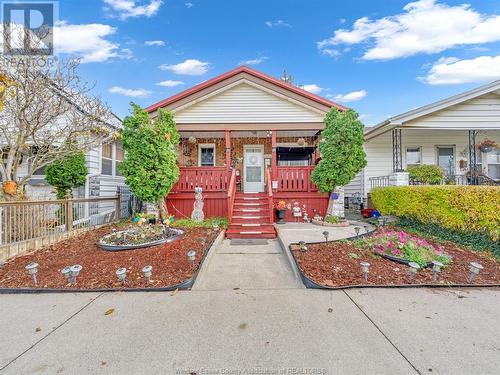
x=445 y=133
x=248 y=140
x=103 y=179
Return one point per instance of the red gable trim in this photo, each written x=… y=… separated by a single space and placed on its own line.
x=253 y=72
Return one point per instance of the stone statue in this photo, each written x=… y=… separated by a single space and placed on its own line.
x=197 y=215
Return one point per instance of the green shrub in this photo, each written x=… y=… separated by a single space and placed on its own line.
x=426 y=174
x=332 y=219
x=207 y=223
x=464 y=209
x=67 y=173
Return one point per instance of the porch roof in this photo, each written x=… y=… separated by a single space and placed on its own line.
x=404 y=119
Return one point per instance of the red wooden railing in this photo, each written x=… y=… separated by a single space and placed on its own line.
x=231 y=194
x=295 y=178
x=270 y=195
x=210 y=179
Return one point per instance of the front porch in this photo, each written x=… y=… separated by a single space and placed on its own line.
x=244 y=173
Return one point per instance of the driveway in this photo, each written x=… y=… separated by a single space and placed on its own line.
x=288 y=330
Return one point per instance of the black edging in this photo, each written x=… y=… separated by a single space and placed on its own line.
x=310 y=284
x=185 y=285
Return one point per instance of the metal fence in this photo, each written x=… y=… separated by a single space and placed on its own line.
x=30 y=224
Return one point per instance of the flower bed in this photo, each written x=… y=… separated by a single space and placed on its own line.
x=171 y=265
x=337 y=264
x=403 y=248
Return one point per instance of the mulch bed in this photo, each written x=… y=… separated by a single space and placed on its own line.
x=330 y=264
x=170 y=263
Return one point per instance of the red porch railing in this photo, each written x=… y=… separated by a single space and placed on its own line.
x=211 y=179
x=295 y=178
x=231 y=195
x=270 y=195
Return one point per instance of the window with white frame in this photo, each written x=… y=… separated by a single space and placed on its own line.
x=206 y=155
x=107 y=159
x=493 y=159
x=119 y=156
x=413 y=156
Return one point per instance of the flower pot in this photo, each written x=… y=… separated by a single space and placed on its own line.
x=281 y=216
x=10 y=187
x=486 y=148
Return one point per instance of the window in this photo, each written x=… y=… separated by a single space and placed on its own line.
x=39 y=171
x=119 y=156
x=493 y=160
x=206 y=155
x=413 y=156
x=107 y=160
x=446 y=159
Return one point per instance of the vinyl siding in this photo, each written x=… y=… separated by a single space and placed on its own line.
x=482 y=112
x=244 y=103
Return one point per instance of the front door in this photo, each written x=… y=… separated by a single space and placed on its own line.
x=253 y=168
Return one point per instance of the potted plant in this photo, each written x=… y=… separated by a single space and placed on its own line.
x=281 y=208
x=487 y=145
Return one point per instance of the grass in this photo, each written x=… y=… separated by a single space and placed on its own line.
x=207 y=223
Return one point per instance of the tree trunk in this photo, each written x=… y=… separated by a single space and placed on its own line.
x=336 y=203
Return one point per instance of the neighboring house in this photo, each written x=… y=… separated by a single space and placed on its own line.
x=103 y=178
x=249 y=140
x=446 y=133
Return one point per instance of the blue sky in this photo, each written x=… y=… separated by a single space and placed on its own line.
x=380 y=58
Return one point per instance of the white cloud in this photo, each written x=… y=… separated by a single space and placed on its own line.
x=425 y=26
x=133 y=93
x=277 y=23
x=190 y=67
x=133 y=8
x=256 y=61
x=312 y=87
x=351 y=97
x=188 y=5
x=330 y=52
x=156 y=43
x=87 y=41
x=453 y=71
x=169 y=83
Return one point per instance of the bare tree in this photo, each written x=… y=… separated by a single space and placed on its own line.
x=47 y=112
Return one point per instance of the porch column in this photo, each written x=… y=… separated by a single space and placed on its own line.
x=228 y=149
x=473 y=158
x=274 y=157
x=397 y=151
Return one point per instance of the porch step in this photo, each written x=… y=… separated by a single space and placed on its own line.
x=250 y=217
x=250 y=233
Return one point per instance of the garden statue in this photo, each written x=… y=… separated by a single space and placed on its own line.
x=197 y=214
x=297 y=212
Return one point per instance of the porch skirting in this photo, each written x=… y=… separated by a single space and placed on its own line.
x=181 y=204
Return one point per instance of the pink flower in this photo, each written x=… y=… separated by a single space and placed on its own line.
x=390 y=244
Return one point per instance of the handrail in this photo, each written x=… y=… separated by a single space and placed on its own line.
x=231 y=194
x=270 y=195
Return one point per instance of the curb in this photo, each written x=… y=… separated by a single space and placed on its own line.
x=209 y=255
x=185 y=285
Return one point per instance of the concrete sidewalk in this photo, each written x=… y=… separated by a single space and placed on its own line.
x=247 y=264
x=365 y=331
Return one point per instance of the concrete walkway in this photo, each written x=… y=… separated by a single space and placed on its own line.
x=295 y=232
x=247 y=264
x=366 y=331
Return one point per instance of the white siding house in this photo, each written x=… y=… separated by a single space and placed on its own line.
x=442 y=133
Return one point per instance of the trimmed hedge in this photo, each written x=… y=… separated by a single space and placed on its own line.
x=458 y=208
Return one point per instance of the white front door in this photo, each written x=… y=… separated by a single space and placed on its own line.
x=253 y=168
